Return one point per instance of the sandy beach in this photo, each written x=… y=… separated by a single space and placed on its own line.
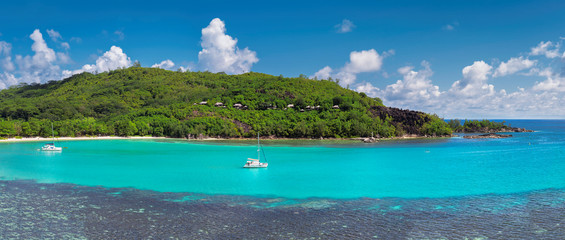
x=42 y=139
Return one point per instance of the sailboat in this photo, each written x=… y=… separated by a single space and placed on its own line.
x=256 y=163
x=51 y=146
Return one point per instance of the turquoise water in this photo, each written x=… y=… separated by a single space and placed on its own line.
x=408 y=168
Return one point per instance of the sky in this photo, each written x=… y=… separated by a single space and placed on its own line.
x=457 y=59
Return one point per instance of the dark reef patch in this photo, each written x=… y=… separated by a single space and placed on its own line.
x=30 y=210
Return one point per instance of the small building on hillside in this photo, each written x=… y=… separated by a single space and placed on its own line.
x=219 y=104
x=290 y=106
x=335 y=107
x=238 y=105
x=203 y=103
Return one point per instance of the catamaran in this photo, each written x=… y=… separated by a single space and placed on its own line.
x=51 y=146
x=256 y=163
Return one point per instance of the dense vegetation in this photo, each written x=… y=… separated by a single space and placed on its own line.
x=149 y=101
x=476 y=126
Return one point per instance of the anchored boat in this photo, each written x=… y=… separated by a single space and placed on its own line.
x=256 y=163
x=51 y=146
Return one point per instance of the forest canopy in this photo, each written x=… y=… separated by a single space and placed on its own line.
x=156 y=102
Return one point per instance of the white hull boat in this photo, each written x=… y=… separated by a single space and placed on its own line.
x=256 y=163
x=51 y=146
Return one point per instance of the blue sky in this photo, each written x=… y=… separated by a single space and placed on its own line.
x=464 y=59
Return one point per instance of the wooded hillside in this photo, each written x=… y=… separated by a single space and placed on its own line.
x=150 y=101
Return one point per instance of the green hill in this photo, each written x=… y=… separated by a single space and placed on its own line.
x=149 y=101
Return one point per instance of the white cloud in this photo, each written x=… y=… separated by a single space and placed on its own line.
x=120 y=35
x=184 y=69
x=345 y=26
x=414 y=91
x=54 y=35
x=76 y=39
x=166 y=64
x=473 y=96
x=451 y=26
x=63 y=58
x=359 y=62
x=323 y=73
x=43 y=54
x=5 y=53
x=415 y=87
x=548 y=49
x=478 y=72
x=474 y=81
x=364 y=61
x=219 y=51
x=513 y=65
x=113 y=59
x=7 y=79
x=65 y=45
x=554 y=82
x=5 y=48
x=40 y=67
x=368 y=89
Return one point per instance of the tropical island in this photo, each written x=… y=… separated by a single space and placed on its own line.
x=483 y=126
x=141 y=101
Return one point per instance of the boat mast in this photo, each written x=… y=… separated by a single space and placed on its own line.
x=258 y=148
x=53 y=133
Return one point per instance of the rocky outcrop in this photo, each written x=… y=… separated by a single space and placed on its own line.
x=521 y=130
x=488 y=135
x=409 y=121
x=490 y=130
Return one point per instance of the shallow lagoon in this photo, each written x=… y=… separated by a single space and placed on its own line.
x=424 y=188
x=301 y=169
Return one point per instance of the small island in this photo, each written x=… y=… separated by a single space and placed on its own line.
x=488 y=135
x=490 y=128
x=483 y=126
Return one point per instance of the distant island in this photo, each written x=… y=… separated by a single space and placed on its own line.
x=482 y=126
x=153 y=102
x=488 y=135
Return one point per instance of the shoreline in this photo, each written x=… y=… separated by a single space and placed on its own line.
x=359 y=139
x=42 y=139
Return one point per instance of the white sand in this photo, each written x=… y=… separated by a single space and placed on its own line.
x=41 y=139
